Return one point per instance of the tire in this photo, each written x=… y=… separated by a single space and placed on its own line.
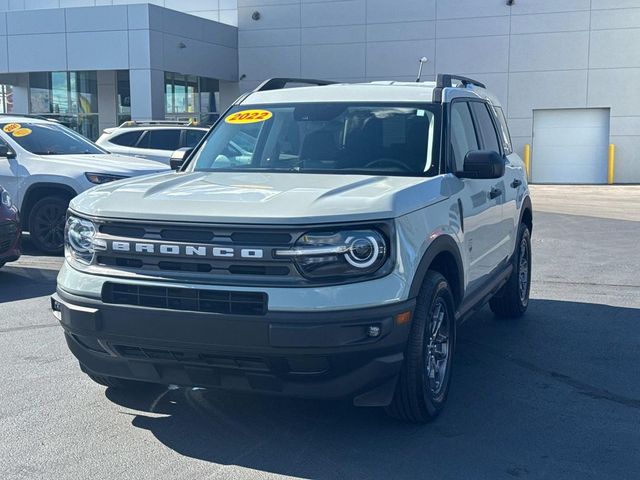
x=423 y=385
x=513 y=298
x=118 y=383
x=46 y=224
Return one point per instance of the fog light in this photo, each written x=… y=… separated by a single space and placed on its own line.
x=373 y=331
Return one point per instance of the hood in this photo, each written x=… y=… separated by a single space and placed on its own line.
x=261 y=198
x=107 y=163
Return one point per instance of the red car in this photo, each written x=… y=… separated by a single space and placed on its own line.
x=9 y=229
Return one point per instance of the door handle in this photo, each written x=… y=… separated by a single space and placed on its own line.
x=516 y=183
x=495 y=192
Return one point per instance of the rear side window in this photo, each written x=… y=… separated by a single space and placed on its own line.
x=463 y=134
x=487 y=129
x=192 y=137
x=128 y=139
x=159 y=139
x=504 y=129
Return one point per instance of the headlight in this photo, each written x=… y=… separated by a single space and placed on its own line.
x=99 y=178
x=6 y=199
x=339 y=254
x=79 y=239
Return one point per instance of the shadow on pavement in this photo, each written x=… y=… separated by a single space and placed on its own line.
x=17 y=283
x=28 y=278
x=554 y=394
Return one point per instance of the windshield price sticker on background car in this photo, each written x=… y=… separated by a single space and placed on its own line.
x=21 y=132
x=249 y=116
x=10 y=127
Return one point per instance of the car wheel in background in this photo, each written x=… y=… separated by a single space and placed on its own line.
x=513 y=298
x=46 y=224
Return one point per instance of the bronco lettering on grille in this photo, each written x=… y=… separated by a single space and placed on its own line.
x=169 y=249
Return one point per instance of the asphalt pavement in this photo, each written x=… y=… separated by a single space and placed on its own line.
x=555 y=394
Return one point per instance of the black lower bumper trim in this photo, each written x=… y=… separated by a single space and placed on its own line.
x=303 y=354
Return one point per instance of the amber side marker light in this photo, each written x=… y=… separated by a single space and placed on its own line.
x=404 y=317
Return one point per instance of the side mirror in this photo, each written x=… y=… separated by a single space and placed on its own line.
x=178 y=157
x=6 y=152
x=483 y=164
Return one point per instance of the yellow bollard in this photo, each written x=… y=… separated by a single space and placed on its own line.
x=612 y=162
x=527 y=160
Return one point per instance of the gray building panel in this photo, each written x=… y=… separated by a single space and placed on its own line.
x=536 y=54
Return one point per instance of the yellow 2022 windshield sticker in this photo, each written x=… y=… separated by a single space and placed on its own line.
x=249 y=116
x=21 y=132
x=10 y=127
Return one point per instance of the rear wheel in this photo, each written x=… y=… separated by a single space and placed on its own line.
x=422 y=388
x=46 y=224
x=513 y=298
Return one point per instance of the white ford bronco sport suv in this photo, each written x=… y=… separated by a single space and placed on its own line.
x=44 y=164
x=332 y=256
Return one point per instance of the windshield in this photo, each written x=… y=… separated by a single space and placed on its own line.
x=323 y=137
x=49 y=139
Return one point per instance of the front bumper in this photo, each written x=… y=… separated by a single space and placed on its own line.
x=333 y=354
x=9 y=241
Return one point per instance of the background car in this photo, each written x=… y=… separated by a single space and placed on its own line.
x=9 y=229
x=152 y=140
x=44 y=164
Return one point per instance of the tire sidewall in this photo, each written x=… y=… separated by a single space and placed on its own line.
x=32 y=218
x=523 y=233
x=435 y=404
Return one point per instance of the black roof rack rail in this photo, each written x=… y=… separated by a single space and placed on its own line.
x=444 y=80
x=279 y=83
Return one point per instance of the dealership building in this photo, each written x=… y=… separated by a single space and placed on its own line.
x=566 y=71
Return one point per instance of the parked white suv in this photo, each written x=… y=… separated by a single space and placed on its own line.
x=155 y=140
x=44 y=164
x=332 y=256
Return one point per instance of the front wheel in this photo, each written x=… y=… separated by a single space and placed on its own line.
x=46 y=224
x=513 y=298
x=422 y=388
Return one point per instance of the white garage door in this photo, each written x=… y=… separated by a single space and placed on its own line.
x=570 y=146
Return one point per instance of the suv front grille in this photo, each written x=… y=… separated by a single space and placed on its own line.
x=235 y=269
x=186 y=299
x=8 y=234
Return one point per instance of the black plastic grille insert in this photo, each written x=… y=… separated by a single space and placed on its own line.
x=187 y=299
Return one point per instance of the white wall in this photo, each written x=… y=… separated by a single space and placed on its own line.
x=536 y=54
x=224 y=11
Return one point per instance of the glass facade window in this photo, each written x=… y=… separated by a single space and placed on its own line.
x=70 y=97
x=188 y=97
x=124 y=96
x=6 y=99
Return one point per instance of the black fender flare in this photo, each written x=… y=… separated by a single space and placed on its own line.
x=443 y=243
x=526 y=205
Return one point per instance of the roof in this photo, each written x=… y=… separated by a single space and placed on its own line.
x=16 y=118
x=348 y=92
x=446 y=87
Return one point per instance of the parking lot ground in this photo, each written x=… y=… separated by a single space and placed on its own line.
x=555 y=394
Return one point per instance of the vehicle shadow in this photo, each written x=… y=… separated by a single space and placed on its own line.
x=18 y=283
x=537 y=397
x=29 y=277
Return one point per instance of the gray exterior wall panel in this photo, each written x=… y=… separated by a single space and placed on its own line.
x=535 y=54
